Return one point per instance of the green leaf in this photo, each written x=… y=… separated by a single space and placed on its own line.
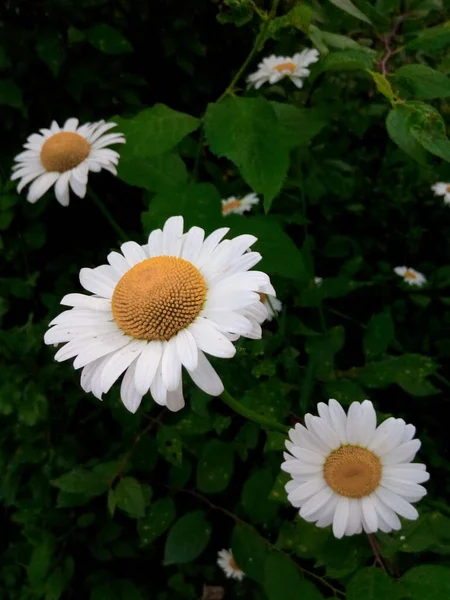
x=433 y=38
x=50 y=49
x=346 y=60
x=255 y=497
x=283 y=580
x=156 y=173
x=249 y=551
x=405 y=370
x=215 y=467
x=379 y=334
x=351 y=9
x=81 y=481
x=187 y=538
x=429 y=129
x=247 y=131
x=107 y=39
x=342 y=42
x=40 y=561
x=322 y=348
x=423 y=82
x=430 y=582
x=298 y=125
x=383 y=86
x=398 y=125
x=345 y=391
x=158 y=518
x=170 y=445
x=130 y=498
x=10 y=94
x=4 y=60
x=198 y=203
x=154 y=131
x=55 y=585
x=372 y=583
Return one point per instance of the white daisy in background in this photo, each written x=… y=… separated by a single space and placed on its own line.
x=442 y=189
x=228 y=565
x=318 y=281
x=238 y=206
x=272 y=304
x=63 y=156
x=273 y=68
x=159 y=307
x=348 y=472
x=411 y=276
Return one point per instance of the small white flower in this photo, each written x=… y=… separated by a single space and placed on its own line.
x=411 y=276
x=274 y=68
x=272 y=304
x=238 y=206
x=63 y=156
x=442 y=189
x=350 y=473
x=228 y=565
x=318 y=281
x=159 y=307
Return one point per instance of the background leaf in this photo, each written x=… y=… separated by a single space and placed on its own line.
x=187 y=538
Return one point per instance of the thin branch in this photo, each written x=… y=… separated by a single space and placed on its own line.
x=387 y=40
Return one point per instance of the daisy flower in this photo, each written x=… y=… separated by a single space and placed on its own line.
x=63 y=156
x=411 y=276
x=442 y=189
x=159 y=307
x=273 y=68
x=318 y=281
x=348 y=472
x=272 y=304
x=228 y=565
x=238 y=206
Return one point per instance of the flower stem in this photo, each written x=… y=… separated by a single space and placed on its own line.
x=257 y=46
x=108 y=216
x=251 y=415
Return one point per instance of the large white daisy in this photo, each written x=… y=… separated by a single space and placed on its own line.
x=442 y=189
x=273 y=68
x=227 y=563
x=411 y=276
x=63 y=156
x=159 y=307
x=348 y=472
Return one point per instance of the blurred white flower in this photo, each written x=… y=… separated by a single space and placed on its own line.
x=239 y=206
x=272 y=304
x=411 y=276
x=442 y=189
x=274 y=68
x=350 y=473
x=159 y=307
x=228 y=565
x=63 y=156
x=318 y=280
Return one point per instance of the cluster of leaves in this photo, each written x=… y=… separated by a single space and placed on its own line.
x=105 y=505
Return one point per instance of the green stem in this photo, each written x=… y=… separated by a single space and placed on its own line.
x=108 y=216
x=257 y=46
x=251 y=415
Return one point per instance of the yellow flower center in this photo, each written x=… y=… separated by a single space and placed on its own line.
x=410 y=275
x=158 y=297
x=352 y=471
x=262 y=297
x=287 y=66
x=64 y=151
x=448 y=189
x=233 y=564
x=230 y=206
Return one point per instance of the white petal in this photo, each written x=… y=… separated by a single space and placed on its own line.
x=354 y=418
x=341 y=517
x=83 y=301
x=210 y=340
x=131 y=398
x=322 y=503
x=78 y=188
x=38 y=188
x=369 y=514
x=368 y=423
x=70 y=125
x=100 y=346
x=62 y=189
x=354 y=517
x=187 y=349
x=205 y=377
x=209 y=245
x=386 y=513
x=134 y=253
x=230 y=300
x=118 y=362
x=404 y=453
x=403 y=473
x=307 y=456
x=396 y=503
x=158 y=389
x=339 y=420
x=118 y=263
x=173 y=236
x=323 y=431
x=171 y=366
x=175 y=400
x=229 y=321
x=147 y=364
x=192 y=244
x=97 y=282
x=155 y=243
x=306 y=490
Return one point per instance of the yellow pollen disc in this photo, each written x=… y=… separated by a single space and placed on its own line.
x=158 y=297
x=352 y=471
x=229 y=206
x=287 y=66
x=233 y=564
x=262 y=297
x=448 y=189
x=410 y=275
x=64 y=151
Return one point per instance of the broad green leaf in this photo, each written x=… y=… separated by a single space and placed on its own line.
x=155 y=173
x=398 y=125
x=107 y=39
x=433 y=38
x=346 y=60
x=170 y=445
x=379 y=334
x=423 y=82
x=55 y=585
x=249 y=551
x=372 y=583
x=282 y=579
x=40 y=561
x=430 y=582
x=10 y=94
x=51 y=50
x=342 y=42
x=404 y=370
x=429 y=129
x=247 y=132
x=278 y=491
x=348 y=7
x=154 y=131
x=215 y=467
x=81 y=481
x=345 y=391
x=158 y=518
x=255 y=497
x=130 y=498
x=187 y=538
x=198 y=203
x=268 y=399
x=322 y=349
x=298 y=125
